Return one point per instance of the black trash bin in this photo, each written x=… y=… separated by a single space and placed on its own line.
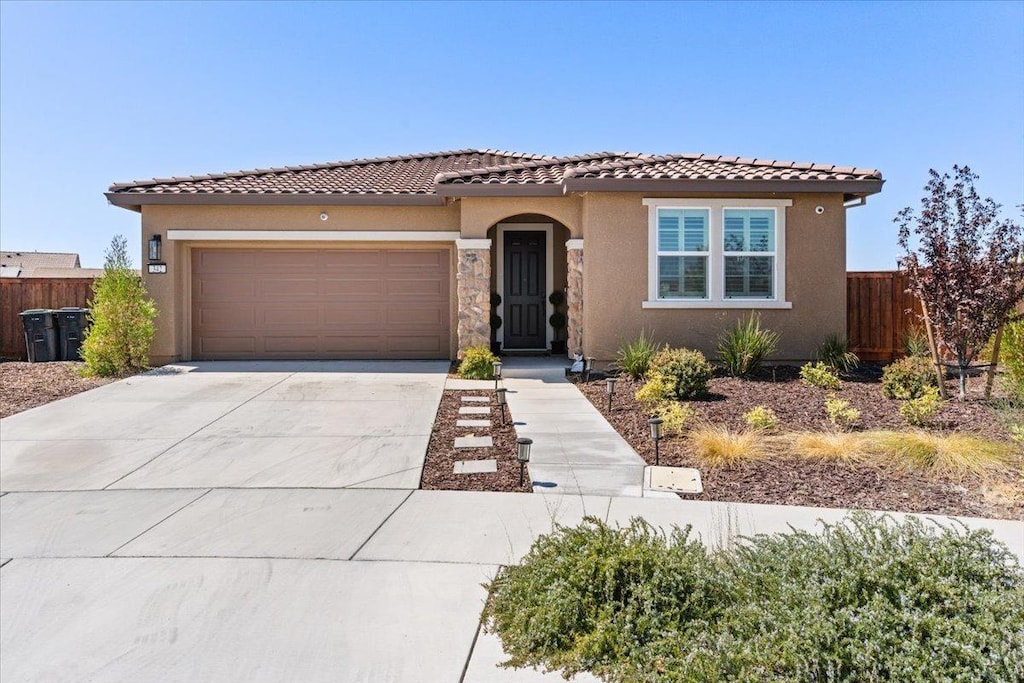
x=40 y=335
x=71 y=323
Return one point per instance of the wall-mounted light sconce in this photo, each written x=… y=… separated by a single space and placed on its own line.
x=154 y=248
x=155 y=265
x=324 y=216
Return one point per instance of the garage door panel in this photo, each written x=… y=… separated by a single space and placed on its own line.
x=288 y=304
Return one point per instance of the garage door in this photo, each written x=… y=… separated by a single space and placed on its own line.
x=291 y=303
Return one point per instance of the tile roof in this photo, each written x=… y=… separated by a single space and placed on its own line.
x=426 y=175
x=39 y=259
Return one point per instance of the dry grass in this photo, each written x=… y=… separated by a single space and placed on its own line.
x=844 y=447
x=949 y=455
x=717 y=446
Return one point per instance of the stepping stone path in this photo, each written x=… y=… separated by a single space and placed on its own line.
x=475 y=399
x=473 y=423
x=473 y=442
x=476 y=466
x=474 y=410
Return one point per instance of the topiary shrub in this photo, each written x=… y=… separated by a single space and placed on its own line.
x=865 y=599
x=477 y=363
x=906 y=378
x=121 y=316
x=820 y=375
x=743 y=348
x=686 y=371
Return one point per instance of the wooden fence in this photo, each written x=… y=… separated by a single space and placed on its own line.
x=877 y=318
x=18 y=294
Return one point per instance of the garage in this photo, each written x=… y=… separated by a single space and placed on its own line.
x=321 y=303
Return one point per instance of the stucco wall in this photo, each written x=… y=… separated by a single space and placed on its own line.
x=615 y=280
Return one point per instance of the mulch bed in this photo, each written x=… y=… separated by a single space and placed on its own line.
x=438 y=468
x=27 y=385
x=797 y=481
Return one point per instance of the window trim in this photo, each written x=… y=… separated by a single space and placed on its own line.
x=716 y=259
x=709 y=274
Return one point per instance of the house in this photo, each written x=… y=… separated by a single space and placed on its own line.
x=397 y=257
x=42 y=264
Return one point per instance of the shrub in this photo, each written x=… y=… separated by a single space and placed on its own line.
x=865 y=599
x=743 y=348
x=838 y=446
x=761 y=418
x=674 y=417
x=945 y=455
x=820 y=375
x=840 y=413
x=1012 y=359
x=835 y=353
x=477 y=363
x=121 y=318
x=634 y=358
x=906 y=378
x=915 y=343
x=718 y=445
x=686 y=371
x=653 y=393
x=918 y=411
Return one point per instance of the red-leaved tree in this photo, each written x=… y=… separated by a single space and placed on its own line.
x=966 y=267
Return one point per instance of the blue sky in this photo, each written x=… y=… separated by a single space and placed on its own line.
x=96 y=93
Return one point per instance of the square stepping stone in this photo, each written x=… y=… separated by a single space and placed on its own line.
x=476 y=399
x=473 y=442
x=474 y=410
x=475 y=466
x=675 y=479
x=473 y=423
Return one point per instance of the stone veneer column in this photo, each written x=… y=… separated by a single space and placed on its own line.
x=474 y=292
x=574 y=295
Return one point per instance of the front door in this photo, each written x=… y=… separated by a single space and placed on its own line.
x=525 y=290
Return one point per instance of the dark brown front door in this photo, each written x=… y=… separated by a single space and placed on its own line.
x=525 y=290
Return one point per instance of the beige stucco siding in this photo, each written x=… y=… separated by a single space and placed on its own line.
x=616 y=267
x=478 y=214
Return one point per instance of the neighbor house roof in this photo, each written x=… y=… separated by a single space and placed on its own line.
x=39 y=259
x=429 y=178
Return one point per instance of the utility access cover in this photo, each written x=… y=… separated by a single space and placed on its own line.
x=674 y=479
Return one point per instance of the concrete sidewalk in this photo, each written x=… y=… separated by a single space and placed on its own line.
x=575 y=450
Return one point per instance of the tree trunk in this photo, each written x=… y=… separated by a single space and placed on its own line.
x=994 y=363
x=963 y=382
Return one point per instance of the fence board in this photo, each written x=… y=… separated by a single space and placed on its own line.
x=21 y=294
x=878 y=315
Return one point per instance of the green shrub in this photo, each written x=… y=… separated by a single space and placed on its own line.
x=915 y=343
x=835 y=353
x=918 y=411
x=840 y=413
x=634 y=358
x=653 y=393
x=762 y=418
x=686 y=371
x=121 y=318
x=743 y=348
x=674 y=417
x=865 y=599
x=906 y=378
x=1011 y=357
x=477 y=363
x=820 y=375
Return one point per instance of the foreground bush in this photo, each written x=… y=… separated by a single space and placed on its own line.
x=477 y=363
x=868 y=599
x=743 y=348
x=906 y=378
x=121 y=318
x=634 y=358
x=687 y=372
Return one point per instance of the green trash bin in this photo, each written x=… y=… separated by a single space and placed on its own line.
x=71 y=324
x=40 y=335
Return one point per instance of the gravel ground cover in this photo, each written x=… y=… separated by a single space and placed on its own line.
x=792 y=480
x=438 y=468
x=27 y=385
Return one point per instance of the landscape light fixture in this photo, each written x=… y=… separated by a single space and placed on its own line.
x=523 y=455
x=655 y=423
x=496 y=365
x=502 y=402
x=610 y=386
x=154 y=248
x=588 y=367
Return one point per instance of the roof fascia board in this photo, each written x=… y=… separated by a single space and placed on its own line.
x=499 y=190
x=135 y=200
x=858 y=187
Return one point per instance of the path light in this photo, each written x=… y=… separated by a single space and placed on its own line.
x=523 y=455
x=501 y=402
x=588 y=366
x=610 y=386
x=655 y=423
x=496 y=367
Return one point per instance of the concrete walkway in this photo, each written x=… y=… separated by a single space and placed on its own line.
x=575 y=450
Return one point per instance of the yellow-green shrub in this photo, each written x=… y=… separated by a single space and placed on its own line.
x=762 y=418
x=477 y=363
x=653 y=393
x=1011 y=357
x=686 y=371
x=840 y=413
x=821 y=375
x=906 y=378
x=674 y=416
x=918 y=411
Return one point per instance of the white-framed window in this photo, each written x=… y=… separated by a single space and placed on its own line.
x=717 y=253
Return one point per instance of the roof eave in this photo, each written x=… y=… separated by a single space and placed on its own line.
x=858 y=188
x=135 y=200
x=499 y=190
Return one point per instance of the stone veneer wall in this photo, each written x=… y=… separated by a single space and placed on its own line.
x=574 y=295
x=474 y=292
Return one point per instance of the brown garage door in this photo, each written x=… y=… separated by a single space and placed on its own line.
x=293 y=303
